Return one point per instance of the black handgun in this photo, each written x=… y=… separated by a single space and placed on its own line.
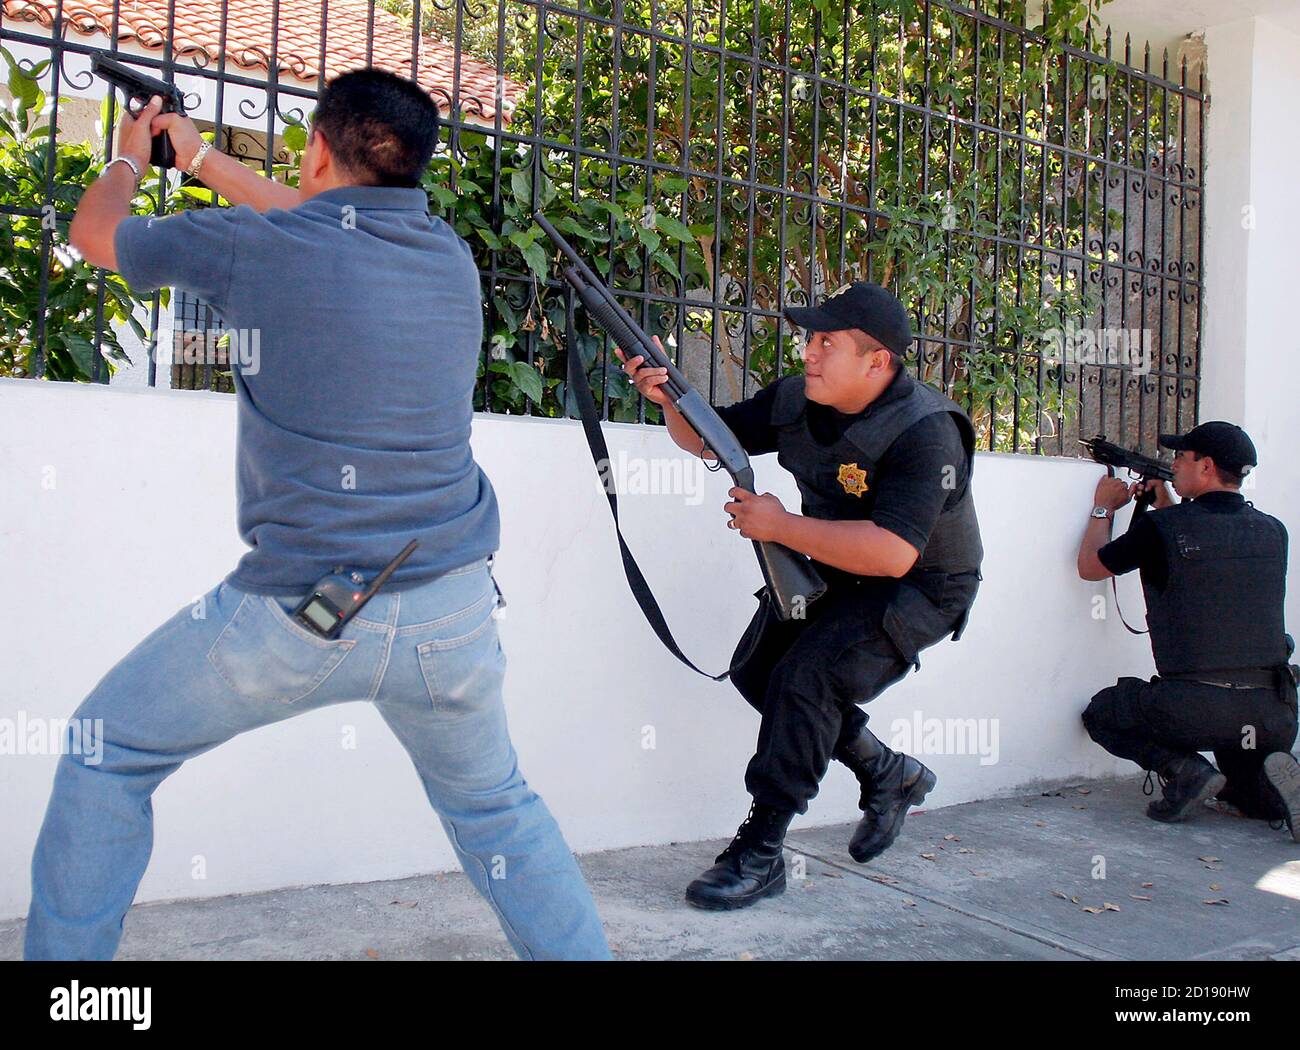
x=792 y=582
x=137 y=87
x=1113 y=456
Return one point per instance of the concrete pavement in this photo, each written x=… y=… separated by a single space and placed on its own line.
x=1073 y=873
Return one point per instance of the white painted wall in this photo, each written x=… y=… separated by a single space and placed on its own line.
x=1251 y=345
x=140 y=520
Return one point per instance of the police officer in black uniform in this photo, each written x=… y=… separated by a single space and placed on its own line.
x=1213 y=571
x=883 y=464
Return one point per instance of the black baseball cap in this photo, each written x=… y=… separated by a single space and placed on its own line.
x=1225 y=443
x=862 y=305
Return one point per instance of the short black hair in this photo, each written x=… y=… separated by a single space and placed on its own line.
x=1226 y=475
x=864 y=341
x=381 y=127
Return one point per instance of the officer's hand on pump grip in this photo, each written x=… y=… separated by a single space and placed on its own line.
x=647 y=380
x=756 y=516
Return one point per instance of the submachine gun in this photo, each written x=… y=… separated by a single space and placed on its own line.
x=1145 y=468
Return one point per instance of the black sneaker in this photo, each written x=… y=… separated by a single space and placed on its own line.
x=1282 y=772
x=1186 y=788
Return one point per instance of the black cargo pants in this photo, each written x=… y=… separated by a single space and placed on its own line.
x=1159 y=723
x=806 y=677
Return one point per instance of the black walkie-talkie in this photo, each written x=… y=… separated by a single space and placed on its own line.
x=338 y=597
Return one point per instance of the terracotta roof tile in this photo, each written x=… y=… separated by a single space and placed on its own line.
x=249 y=42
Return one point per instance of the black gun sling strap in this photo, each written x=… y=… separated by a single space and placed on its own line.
x=577 y=382
x=1139 y=508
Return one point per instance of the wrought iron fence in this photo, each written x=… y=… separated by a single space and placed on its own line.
x=1035 y=199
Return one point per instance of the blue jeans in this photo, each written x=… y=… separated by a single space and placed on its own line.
x=430 y=660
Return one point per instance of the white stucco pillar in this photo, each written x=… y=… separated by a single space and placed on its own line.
x=1250 y=372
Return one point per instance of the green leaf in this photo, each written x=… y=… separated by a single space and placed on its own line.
x=489 y=238
x=666 y=261
x=568 y=224
x=506 y=311
x=521 y=185
x=527 y=379
x=295 y=138
x=536 y=259
x=196 y=193
x=521 y=239
x=675 y=228
x=82 y=351
x=591 y=207
x=23 y=86
x=444 y=195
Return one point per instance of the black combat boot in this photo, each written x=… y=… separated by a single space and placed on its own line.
x=1187 y=783
x=750 y=868
x=1282 y=773
x=891 y=783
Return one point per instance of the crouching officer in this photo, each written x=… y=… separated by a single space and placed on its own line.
x=1213 y=571
x=883 y=463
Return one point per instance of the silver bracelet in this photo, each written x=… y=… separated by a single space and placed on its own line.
x=193 y=170
x=129 y=163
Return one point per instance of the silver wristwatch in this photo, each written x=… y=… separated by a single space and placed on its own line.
x=129 y=163
x=1101 y=512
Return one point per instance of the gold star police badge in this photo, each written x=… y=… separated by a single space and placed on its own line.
x=853 y=478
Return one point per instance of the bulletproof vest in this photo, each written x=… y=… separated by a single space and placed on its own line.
x=837 y=481
x=1222 y=607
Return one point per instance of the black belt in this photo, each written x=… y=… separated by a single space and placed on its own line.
x=1238 y=677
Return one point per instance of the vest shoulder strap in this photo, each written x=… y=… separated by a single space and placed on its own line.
x=1168 y=520
x=790 y=401
x=874 y=435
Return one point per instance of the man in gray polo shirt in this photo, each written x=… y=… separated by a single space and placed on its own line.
x=357 y=322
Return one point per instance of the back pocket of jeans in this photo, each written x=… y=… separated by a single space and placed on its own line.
x=463 y=671
x=263 y=655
